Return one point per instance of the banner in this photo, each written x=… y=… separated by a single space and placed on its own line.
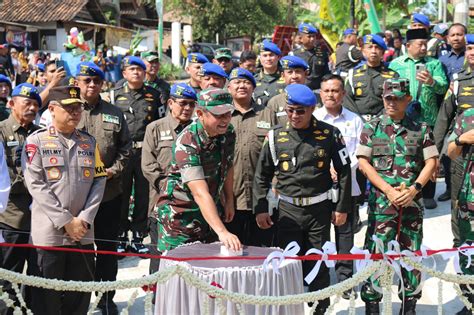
x=372 y=16
x=18 y=38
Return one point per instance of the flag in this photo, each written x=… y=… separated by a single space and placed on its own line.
x=324 y=14
x=372 y=16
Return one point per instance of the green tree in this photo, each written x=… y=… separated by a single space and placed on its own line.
x=231 y=18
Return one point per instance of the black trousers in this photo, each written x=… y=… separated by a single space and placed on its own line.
x=64 y=266
x=133 y=175
x=245 y=227
x=457 y=170
x=345 y=241
x=446 y=162
x=14 y=259
x=310 y=227
x=106 y=226
x=429 y=190
x=153 y=231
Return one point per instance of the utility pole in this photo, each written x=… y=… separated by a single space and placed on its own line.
x=352 y=13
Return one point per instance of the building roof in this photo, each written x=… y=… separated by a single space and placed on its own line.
x=41 y=10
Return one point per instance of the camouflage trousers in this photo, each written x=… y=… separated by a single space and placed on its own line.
x=385 y=227
x=177 y=228
x=466 y=233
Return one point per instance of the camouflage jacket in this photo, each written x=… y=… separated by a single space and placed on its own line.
x=397 y=151
x=197 y=156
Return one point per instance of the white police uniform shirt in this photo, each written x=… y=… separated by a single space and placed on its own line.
x=350 y=125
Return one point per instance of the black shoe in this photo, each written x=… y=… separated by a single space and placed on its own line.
x=372 y=308
x=445 y=196
x=346 y=295
x=408 y=307
x=464 y=311
x=136 y=245
x=430 y=203
x=108 y=308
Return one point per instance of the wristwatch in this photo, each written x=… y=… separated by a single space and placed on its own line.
x=418 y=186
x=457 y=142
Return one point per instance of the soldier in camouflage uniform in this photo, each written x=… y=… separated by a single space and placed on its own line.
x=313 y=54
x=269 y=82
x=460 y=144
x=152 y=62
x=398 y=156
x=201 y=168
x=458 y=99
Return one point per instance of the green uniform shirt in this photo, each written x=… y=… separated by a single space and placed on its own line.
x=405 y=66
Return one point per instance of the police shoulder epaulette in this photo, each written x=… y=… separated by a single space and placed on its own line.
x=40 y=130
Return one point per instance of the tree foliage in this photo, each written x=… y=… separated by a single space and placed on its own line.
x=231 y=18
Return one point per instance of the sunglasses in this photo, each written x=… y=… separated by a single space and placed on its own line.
x=96 y=81
x=393 y=98
x=298 y=111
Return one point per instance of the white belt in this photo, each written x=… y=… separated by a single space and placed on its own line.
x=137 y=144
x=306 y=201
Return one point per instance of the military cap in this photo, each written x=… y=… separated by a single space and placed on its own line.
x=133 y=61
x=375 y=39
x=197 y=58
x=441 y=29
x=27 y=90
x=182 y=90
x=241 y=73
x=150 y=56
x=350 y=31
x=292 y=62
x=299 y=94
x=211 y=68
x=216 y=101
x=420 y=33
x=89 y=69
x=307 y=28
x=223 y=53
x=40 y=67
x=66 y=95
x=469 y=39
x=5 y=79
x=420 y=18
x=267 y=45
x=396 y=87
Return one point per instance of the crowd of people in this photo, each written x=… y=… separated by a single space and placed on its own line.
x=273 y=150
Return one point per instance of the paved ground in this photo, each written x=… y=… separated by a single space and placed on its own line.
x=437 y=235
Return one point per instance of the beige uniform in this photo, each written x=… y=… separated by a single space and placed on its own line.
x=250 y=128
x=277 y=104
x=107 y=124
x=156 y=153
x=66 y=178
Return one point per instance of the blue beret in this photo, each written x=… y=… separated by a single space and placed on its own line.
x=299 y=94
x=211 y=68
x=291 y=62
x=350 y=31
x=133 y=61
x=27 y=90
x=197 y=58
x=307 y=28
x=241 y=73
x=182 y=90
x=469 y=39
x=420 y=18
x=375 y=39
x=90 y=69
x=40 y=67
x=5 y=79
x=269 y=46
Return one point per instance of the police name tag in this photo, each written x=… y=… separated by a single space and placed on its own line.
x=263 y=125
x=110 y=119
x=167 y=138
x=12 y=143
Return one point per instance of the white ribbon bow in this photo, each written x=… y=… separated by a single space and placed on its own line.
x=361 y=263
x=329 y=248
x=277 y=257
x=455 y=254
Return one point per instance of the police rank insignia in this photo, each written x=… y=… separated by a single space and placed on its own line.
x=25 y=91
x=320 y=152
x=285 y=166
x=87 y=173
x=358 y=92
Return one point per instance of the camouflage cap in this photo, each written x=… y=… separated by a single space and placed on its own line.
x=396 y=87
x=217 y=101
x=223 y=53
x=150 y=56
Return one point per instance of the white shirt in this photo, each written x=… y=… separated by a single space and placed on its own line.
x=350 y=125
x=46 y=119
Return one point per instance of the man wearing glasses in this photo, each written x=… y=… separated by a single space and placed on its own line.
x=107 y=125
x=157 y=152
x=201 y=169
x=66 y=178
x=300 y=154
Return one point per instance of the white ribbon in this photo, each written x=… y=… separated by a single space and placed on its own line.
x=455 y=255
x=361 y=263
x=467 y=252
x=329 y=248
x=277 y=257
